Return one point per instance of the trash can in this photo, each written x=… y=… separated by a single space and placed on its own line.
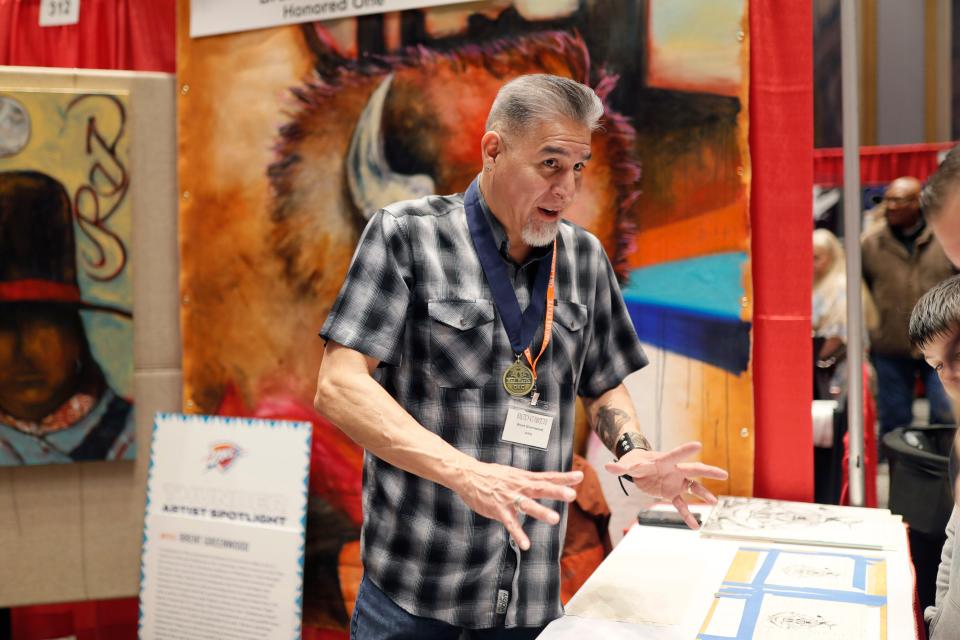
x=920 y=492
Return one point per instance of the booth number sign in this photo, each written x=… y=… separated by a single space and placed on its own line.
x=59 y=12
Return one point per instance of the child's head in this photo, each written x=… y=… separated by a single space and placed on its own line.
x=935 y=331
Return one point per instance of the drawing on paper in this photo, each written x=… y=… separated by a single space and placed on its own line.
x=805 y=571
x=799 y=522
x=765 y=595
x=66 y=335
x=760 y=515
x=795 y=620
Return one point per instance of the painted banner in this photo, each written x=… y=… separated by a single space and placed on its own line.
x=282 y=130
x=66 y=334
x=223 y=538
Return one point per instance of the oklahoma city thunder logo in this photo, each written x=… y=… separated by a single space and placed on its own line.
x=222 y=455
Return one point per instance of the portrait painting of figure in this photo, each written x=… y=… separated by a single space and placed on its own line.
x=66 y=341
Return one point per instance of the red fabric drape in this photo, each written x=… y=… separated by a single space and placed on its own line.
x=89 y=620
x=134 y=35
x=781 y=146
x=880 y=165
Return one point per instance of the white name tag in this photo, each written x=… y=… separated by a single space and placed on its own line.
x=527 y=427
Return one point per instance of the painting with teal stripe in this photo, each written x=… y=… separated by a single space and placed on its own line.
x=692 y=307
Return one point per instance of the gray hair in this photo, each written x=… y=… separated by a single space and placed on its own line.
x=539 y=97
x=941 y=184
x=936 y=313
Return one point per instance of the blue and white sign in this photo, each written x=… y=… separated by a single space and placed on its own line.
x=212 y=17
x=223 y=539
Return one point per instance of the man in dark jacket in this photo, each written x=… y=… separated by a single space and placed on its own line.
x=901 y=261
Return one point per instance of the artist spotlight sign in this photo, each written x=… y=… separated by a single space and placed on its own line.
x=211 y=17
x=223 y=540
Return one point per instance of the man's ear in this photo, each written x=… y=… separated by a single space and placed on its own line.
x=491 y=146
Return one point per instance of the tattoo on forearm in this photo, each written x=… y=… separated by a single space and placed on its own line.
x=609 y=421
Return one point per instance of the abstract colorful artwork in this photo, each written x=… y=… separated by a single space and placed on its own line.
x=291 y=137
x=66 y=335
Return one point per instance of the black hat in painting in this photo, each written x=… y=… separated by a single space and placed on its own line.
x=37 y=246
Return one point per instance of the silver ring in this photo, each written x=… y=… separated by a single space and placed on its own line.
x=690 y=487
x=516 y=503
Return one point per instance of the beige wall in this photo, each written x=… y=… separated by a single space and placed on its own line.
x=72 y=532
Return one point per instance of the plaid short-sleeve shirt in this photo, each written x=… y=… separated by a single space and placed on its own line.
x=416 y=299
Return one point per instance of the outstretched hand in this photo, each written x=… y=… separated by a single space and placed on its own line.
x=503 y=493
x=666 y=476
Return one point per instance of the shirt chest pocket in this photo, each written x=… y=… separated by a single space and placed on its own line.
x=570 y=318
x=461 y=342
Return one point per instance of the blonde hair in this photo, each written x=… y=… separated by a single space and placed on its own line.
x=834 y=279
x=823 y=239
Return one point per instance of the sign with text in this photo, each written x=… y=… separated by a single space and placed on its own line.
x=223 y=540
x=59 y=12
x=211 y=17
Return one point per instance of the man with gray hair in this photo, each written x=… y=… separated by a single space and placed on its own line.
x=465 y=330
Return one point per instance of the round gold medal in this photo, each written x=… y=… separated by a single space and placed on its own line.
x=518 y=379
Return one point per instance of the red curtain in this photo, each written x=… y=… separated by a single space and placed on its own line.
x=134 y=35
x=89 y=620
x=880 y=165
x=781 y=148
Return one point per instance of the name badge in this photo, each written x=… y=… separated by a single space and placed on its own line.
x=528 y=424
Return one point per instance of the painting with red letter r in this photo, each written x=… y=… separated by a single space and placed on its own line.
x=66 y=334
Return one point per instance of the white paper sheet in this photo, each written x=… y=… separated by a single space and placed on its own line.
x=585 y=619
x=773 y=593
x=803 y=523
x=671 y=561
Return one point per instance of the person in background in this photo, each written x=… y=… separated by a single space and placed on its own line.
x=830 y=371
x=830 y=316
x=935 y=331
x=901 y=261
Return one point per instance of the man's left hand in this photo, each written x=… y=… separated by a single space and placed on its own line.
x=666 y=476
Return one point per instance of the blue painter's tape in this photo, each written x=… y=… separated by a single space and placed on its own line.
x=761 y=578
x=754 y=592
x=860 y=574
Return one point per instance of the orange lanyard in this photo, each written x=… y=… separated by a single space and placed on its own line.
x=548 y=321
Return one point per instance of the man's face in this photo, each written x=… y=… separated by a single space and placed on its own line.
x=536 y=176
x=39 y=351
x=946 y=227
x=902 y=200
x=943 y=354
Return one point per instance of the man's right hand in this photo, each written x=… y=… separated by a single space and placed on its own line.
x=502 y=493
